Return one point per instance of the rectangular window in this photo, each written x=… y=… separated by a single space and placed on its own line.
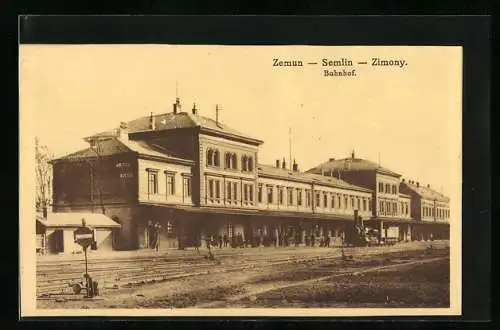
x=339 y=201
x=259 y=193
x=317 y=199
x=152 y=182
x=406 y=208
x=346 y=203
x=245 y=193
x=387 y=188
x=299 y=197
x=269 y=194
x=228 y=191
x=359 y=204
x=250 y=192
x=352 y=202
x=211 y=189
x=369 y=204
x=364 y=204
x=187 y=187
x=170 y=184
x=235 y=192
x=333 y=201
x=325 y=200
x=380 y=187
x=280 y=195
x=381 y=206
x=308 y=198
x=217 y=189
x=289 y=194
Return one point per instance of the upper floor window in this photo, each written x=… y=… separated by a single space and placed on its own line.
x=381 y=206
x=299 y=197
x=359 y=203
x=187 y=186
x=380 y=187
x=230 y=160
x=317 y=199
x=269 y=194
x=346 y=203
x=308 y=198
x=246 y=163
x=289 y=195
x=387 y=188
x=325 y=200
x=280 y=195
x=259 y=193
x=213 y=157
x=369 y=204
x=170 y=184
x=152 y=181
x=333 y=201
x=394 y=189
x=364 y=204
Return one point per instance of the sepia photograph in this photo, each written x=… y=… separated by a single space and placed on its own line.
x=240 y=180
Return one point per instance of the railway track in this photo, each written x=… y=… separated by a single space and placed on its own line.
x=54 y=277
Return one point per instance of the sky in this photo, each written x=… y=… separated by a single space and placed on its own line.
x=408 y=119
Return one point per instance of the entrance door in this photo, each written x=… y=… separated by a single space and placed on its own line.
x=57 y=241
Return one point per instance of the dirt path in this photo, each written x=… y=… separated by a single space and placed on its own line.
x=255 y=289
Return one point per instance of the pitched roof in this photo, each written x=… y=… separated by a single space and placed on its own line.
x=286 y=174
x=171 y=121
x=74 y=219
x=426 y=192
x=118 y=145
x=350 y=165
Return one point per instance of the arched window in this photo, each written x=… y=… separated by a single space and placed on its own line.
x=216 y=158
x=250 y=164
x=227 y=160
x=210 y=157
x=244 y=160
x=234 y=161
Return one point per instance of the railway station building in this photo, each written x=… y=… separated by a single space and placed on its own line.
x=176 y=178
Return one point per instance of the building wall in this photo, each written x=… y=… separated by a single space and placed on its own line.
x=162 y=170
x=387 y=199
x=84 y=181
x=404 y=207
x=311 y=204
x=221 y=175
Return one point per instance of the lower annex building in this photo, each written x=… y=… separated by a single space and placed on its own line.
x=179 y=177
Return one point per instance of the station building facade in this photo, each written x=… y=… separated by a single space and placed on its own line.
x=178 y=177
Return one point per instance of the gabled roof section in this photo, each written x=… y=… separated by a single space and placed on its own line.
x=426 y=192
x=286 y=174
x=118 y=145
x=350 y=164
x=172 y=121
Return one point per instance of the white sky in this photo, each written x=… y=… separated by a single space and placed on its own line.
x=410 y=116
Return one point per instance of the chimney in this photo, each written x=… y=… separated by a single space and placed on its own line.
x=352 y=154
x=428 y=185
x=283 y=164
x=177 y=105
x=418 y=184
x=277 y=163
x=152 y=122
x=331 y=159
x=217 y=109
x=295 y=166
x=44 y=210
x=123 y=131
x=195 y=111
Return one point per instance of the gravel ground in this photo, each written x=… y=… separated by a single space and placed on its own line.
x=423 y=285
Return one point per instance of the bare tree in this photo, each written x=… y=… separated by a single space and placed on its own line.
x=43 y=176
